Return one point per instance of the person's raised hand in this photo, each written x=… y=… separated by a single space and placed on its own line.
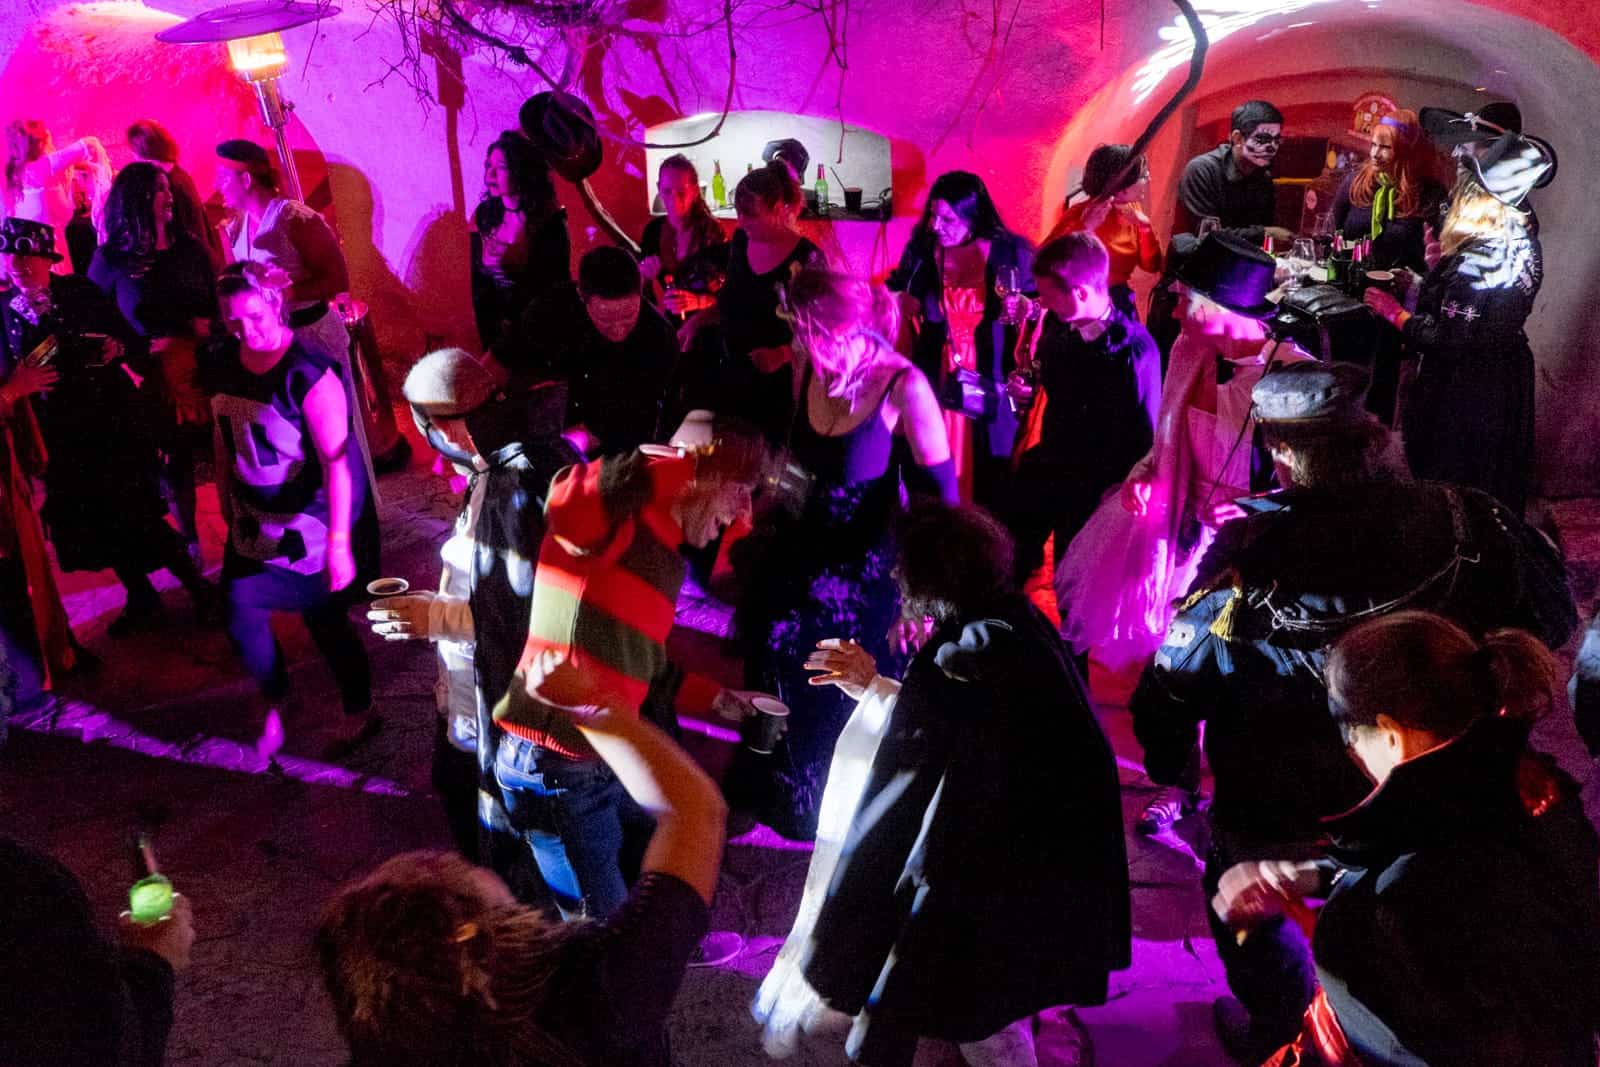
x=1225 y=512
x=28 y=380
x=1096 y=213
x=341 y=567
x=1250 y=893
x=1018 y=387
x=1385 y=306
x=1135 y=497
x=734 y=704
x=401 y=618
x=650 y=267
x=171 y=937
x=845 y=664
x=907 y=635
x=1432 y=251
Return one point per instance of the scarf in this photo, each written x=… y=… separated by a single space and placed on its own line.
x=1383 y=198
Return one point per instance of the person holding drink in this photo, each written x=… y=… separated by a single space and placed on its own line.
x=962 y=330
x=291 y=488
x=1468 y=419
x=685 y=252
x=1100 y=374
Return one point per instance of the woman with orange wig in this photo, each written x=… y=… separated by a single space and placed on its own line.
x=1392 y=196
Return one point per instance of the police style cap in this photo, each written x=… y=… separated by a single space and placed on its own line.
x=1313 y=392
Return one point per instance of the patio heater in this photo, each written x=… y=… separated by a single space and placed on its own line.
x=253 y=33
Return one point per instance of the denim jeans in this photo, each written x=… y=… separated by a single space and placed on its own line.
x=586 y=834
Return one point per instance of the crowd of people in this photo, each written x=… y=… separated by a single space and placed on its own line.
x=932 y=499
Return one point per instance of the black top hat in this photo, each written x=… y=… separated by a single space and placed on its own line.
x=1232 y=272
x=24 y=237
x=562 y=127
x=1313 y=392
x=1512 y=166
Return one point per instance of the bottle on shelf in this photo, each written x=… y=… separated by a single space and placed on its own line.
x=719 y=187
x=822 y=189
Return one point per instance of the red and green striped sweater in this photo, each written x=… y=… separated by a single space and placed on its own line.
x=606 y=588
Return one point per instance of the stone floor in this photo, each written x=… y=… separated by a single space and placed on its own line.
x=151 y=739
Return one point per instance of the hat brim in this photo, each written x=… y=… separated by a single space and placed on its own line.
x=52 y=255
x=573 y=162
x=1446 y=127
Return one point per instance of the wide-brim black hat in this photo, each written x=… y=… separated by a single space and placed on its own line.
x=1231 y=272
x=562 y=127
x=24 y=237
x=1512 y=166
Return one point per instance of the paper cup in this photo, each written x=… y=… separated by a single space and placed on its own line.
x=762 y=730
x=387 y=587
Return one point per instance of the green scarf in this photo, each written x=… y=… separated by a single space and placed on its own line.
x=1382 y=203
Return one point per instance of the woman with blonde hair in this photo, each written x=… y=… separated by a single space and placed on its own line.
x=1391 y=198
x=827 y=561
x=39 y=177
x=1468 y=419
x=1462 y=922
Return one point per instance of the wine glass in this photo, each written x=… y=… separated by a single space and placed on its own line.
x=1302 y=257
x=1007 y=283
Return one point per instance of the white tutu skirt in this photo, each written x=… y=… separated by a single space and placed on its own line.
x=786 y=1006
x=1120 y=582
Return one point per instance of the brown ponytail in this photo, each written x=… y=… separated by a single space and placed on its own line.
x=1427 y=673
x=1525 y=673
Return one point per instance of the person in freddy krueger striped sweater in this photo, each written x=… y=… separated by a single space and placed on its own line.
x=604 y=595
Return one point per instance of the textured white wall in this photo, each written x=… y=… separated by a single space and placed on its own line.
x=929 y=76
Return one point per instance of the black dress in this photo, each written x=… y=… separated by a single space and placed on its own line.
x=1468 y=418
x=748 y=304
x=502 y=291
x=1401 y=242
x=826 y=573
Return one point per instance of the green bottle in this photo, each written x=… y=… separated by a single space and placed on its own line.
x=822 y=190
x=719 y=188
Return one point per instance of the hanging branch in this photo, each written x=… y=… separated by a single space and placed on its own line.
x=531 y=17
x=1197 y=68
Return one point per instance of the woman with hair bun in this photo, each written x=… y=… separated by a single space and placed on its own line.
x=826 y=571
x=1116 y=185
x=1462 y=923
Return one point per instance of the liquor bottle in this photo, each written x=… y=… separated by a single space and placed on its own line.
x=822 y=189
x=719 y=187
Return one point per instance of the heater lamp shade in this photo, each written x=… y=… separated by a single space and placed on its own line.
x=258 y=58
x=255 y=18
